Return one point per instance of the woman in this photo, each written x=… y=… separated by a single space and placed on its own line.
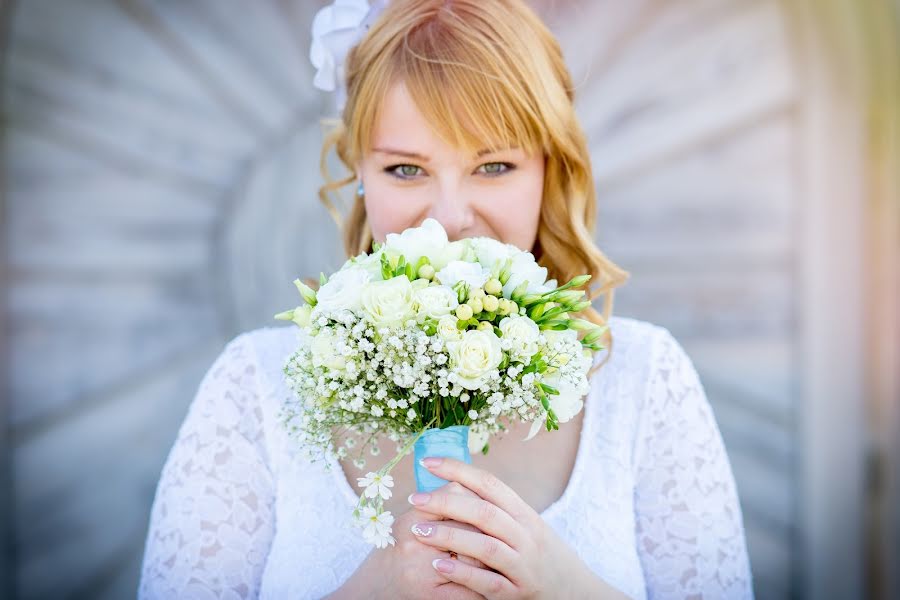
x=461 y=111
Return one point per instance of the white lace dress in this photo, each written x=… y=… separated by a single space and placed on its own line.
x=651 y=505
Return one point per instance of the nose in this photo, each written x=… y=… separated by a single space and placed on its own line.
x=451 y=209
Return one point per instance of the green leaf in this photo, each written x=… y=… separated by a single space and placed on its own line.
x=322 y=279
x=549 y=389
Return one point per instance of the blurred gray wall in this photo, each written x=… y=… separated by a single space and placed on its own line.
x=161 y=164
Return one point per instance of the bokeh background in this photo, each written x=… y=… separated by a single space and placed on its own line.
x=160 y=167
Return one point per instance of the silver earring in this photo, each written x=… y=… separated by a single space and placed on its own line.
x=360 y=191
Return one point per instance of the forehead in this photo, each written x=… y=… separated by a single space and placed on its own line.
x=401 y=125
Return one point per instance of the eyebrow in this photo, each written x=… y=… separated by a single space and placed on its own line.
x=424 y=158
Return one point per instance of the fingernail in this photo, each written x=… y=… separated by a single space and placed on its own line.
x=418 y=498
x=443 y=565
x=422 y=529
x=431 y=461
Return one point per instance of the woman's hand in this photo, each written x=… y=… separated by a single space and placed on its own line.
x=404 y=571
x=530 y=560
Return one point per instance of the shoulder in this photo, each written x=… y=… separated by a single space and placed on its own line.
x=247 y=370
x=636 y=345
x=265 y=348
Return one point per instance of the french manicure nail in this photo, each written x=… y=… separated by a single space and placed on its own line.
x=432 y=461
x=418 y=498
x=443 y=565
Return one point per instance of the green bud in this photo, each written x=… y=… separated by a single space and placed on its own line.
x=476 y=305
x=505 y=271
x=580 y=306
x=532 y=299
x=519 y=292
x=581 y=324
x=306 y=292
x=491 y=303
x=485 y=326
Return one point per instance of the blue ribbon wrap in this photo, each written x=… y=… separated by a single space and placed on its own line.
x=450 y=442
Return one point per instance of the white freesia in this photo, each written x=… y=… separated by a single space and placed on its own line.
x=520 y=336
x=475 y=357
x=488 y=251
x=447 y=328
x=565 y=405
x=371 y=263
x=434 y=301
x=388 y=303
x=525 y=268
x=429 y=239
x=335 y=29
x=472 y=273
x=343 y=290
x=569 y=401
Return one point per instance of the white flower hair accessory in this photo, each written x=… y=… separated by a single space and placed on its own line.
x=335 y=29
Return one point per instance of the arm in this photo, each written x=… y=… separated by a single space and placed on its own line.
x=212 y=519
x=690 y=530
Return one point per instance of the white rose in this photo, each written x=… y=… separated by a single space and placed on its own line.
x=324 y=351
x=470 y=272
x=474 y=357
x=525 y=268
x=343 y=290
x=388 y=303
x=429 y=239
x=447 y=329
x=434 y=301
x=520 y=336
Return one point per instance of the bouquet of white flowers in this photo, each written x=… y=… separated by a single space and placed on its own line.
x=431 y=342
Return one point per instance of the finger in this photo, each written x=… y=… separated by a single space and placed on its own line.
x=451 y=488
x=418 y=516
x=484 y=515
x=482 y=482
x=486 y=583
x=490 y=551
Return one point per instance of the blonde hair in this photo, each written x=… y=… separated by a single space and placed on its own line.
x=496 y=67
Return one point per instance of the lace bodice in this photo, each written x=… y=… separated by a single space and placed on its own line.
x=651 y=505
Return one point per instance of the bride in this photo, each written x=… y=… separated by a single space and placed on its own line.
x=458 y=110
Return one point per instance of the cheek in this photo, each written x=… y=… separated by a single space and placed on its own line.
x=514 y=212
x=388 y=211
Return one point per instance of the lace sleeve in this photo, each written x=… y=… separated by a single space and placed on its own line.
x=212 y=518
x=689 y=524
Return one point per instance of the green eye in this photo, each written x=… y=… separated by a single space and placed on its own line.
x=408 y=170
x=494 y=168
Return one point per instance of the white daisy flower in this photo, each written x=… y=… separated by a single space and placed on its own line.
x=376 y=485
x=376 y=526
